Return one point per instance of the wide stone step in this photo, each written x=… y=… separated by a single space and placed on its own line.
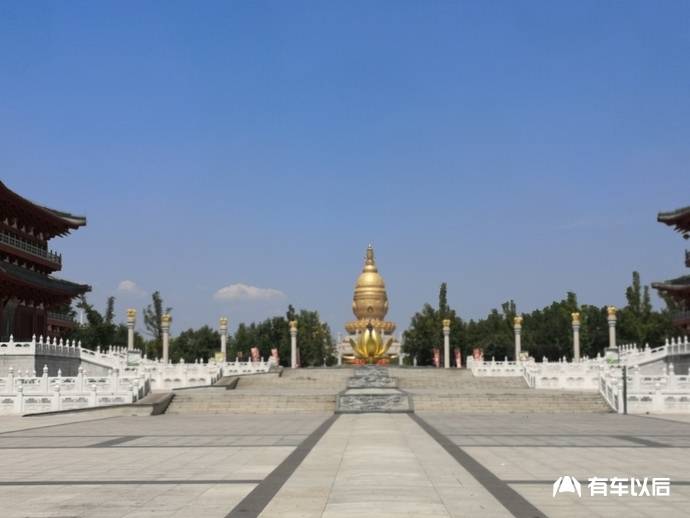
x=535 y=401
x=231 y=402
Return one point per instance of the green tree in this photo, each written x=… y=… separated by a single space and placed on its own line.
x=637 y=322
x=594 y=330
x=152 y=320
x=548 y=331
x=494 y=334
x=426 y=331
x=195 y=344
x=443 y=307
x=314 y=338
x=100 y=329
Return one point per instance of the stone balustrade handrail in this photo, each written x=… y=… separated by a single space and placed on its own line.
x=109 y=358
x=668 y=393
x=23 y=394
x=631 y=354
x=25 y=246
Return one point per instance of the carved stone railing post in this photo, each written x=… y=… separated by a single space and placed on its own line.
x=131 y=321
x=576 y=336
x=293 y=344
x=446 y=343
x=165 y=327
x=611 y=311
x=517 y=327
x=223 y=324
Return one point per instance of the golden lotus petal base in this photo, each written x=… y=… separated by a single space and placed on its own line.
x=351 y=359
x=361 y=326
x=369 y=346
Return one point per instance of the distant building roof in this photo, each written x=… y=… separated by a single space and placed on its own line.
x=677 y=288
x=38 y=280
x=50 y=221
x=679 y=218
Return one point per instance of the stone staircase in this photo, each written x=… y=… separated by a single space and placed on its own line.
x=440 y=390
x=300 y=391
x=431 y=390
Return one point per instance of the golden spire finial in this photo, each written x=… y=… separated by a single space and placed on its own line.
x=370 y=263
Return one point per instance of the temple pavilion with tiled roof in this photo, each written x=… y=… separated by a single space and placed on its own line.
x=680 y=219
x=28 y=289
x=678 y=288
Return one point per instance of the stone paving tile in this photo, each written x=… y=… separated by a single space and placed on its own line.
x=365 y=465
x=15 y=441
x=170 y=425
x=237 y=452
x=567 y=506
x=380 y=465
x=512 y=452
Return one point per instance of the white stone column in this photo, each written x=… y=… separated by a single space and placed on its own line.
x=293 y=344
x=131 y=321
x=446 y=343
x=576 y=336
x=401 y=356
x=224 y=338
x=611 y=310
x=165 y=327
x=338 y=351
x=517 y=327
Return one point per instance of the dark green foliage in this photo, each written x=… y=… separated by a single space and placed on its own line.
x=152 y=320
x=426 y=331
x=314 y=338
x=100 y=329
x=195 y=344
x=494 y=334
x=549 y=331
x=637 y=322
x=546 y=332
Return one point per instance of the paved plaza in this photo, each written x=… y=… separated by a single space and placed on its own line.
x=309 y=465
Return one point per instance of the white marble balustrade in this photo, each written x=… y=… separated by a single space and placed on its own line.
x=107 y=358
x=657 y=394
x=632 y=354
x=238 y=368
x=180 y=375
x=494 y=368
x=22 y=394
x=562 y=375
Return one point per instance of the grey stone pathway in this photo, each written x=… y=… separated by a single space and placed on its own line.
x=368 y=465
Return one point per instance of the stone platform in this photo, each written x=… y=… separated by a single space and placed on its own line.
x=431 y=465
x=372 y=389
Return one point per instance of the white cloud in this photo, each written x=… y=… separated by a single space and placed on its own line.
x=130 y=287
x=241 y=291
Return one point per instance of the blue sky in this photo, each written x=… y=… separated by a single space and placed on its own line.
x=514 y=150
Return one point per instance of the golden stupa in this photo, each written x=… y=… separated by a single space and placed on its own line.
x=370 y=305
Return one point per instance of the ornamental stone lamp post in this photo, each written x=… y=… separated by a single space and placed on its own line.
x=338 y=352
x=612 y=353
x=166 y=319
x=224 y=338
x=576 y=336
x=611 y=310
x=131 y=320
x=446 y=343
x=517 y=326
x=293 y=344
